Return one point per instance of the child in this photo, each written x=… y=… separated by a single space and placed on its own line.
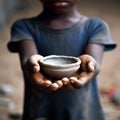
x=61 y=30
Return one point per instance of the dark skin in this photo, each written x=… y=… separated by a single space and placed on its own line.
x=61 y=15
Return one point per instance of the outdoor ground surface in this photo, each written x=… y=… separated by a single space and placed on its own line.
x=10 y=72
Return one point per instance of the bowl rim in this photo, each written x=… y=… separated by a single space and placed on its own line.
x=77 y=63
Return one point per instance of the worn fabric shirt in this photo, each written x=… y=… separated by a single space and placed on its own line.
x=82 y=104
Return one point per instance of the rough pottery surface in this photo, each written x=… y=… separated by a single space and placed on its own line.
x=58 y=66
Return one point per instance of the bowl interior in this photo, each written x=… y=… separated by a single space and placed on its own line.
x=59 y=60
x=58 y=67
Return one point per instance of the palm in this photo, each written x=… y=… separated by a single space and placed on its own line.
x=86 y=72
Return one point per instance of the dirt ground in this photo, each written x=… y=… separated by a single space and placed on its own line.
x=10 y=72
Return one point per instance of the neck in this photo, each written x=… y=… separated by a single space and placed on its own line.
x=59 y=21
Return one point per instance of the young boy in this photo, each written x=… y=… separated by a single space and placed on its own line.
x=61 y=30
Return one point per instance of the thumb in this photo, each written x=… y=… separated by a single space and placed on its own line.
x=36 y=68
x=33 y=63
x=91 y=67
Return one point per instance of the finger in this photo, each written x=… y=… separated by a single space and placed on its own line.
x=59 y=82
x=91 y=66
x=72 y=79
x=35 y=58
x=47 y=83
x=36 y=68
x=54 y=86
x=76 y=83
x=33 y=62
x=65 y=80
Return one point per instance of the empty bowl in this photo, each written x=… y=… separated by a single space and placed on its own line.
x=59 y=66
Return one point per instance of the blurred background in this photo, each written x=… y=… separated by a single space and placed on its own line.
x=11 y=80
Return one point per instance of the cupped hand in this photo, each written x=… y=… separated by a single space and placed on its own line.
x=82 y=77
x=39 y=80
x=85 y=74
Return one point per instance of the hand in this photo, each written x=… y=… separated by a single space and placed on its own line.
x=38 y=79
x=86 y=73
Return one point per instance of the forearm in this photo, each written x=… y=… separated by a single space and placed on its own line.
x=96 y=51
x=27 y=48
x=90 y=62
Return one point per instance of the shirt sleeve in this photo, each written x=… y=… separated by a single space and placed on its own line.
x=20 y=30
x=100 y=34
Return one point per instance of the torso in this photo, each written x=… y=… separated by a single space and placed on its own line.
x=62 y=22
x=64 y=105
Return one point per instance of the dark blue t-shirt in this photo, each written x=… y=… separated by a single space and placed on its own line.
x=83 y=104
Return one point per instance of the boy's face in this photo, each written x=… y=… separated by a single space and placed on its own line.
x=59 y=5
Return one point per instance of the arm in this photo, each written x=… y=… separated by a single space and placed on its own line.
x=27 y=48
x=29 y=59
x=90 y=66
x=96 y=51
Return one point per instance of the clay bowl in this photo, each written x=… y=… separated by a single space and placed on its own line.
x=57 y=66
